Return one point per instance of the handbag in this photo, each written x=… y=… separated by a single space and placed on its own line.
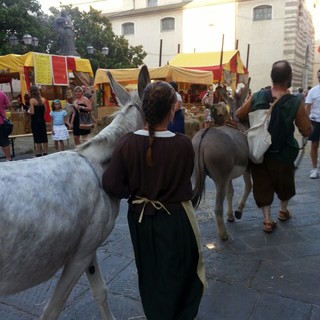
x=85 y=121
x=7 y=126
x=258 y=136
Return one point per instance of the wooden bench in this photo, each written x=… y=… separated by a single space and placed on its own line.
x=13 y=137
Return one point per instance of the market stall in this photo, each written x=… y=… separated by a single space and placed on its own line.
x=225 y=66
x=54 y=74
x=188 y=80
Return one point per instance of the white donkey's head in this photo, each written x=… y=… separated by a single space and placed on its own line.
x=129 y=118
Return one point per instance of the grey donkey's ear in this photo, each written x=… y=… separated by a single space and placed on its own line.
x=143 y=80
x=122 y=95
x=244 y=93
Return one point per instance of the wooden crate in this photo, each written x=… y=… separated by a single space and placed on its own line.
x=21 y=122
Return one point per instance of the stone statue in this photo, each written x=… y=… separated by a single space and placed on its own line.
x=64 y=26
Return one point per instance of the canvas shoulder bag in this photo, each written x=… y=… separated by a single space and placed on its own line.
x=258 y=136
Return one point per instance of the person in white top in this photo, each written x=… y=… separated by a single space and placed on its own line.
x=313 y=109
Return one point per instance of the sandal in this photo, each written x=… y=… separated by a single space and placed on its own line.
x=269 y=226
x=284 y=215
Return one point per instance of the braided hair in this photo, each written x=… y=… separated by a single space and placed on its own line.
x=157 y=100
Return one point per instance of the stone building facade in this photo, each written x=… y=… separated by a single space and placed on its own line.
x=263 y=30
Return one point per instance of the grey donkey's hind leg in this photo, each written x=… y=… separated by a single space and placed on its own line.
x=246 y=191
x=221 y=190
x=229 y=196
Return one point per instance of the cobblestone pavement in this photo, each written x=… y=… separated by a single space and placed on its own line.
x=252 y=276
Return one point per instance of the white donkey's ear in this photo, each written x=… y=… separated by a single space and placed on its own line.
x=143 y=80
x=122 y=95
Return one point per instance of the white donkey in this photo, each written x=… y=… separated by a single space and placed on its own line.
x=54 y=212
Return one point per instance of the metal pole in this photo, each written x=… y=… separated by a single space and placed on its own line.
x=221 y=57
x=237 y=44
x=248 y=53
x=160 y=53
x=179 y=48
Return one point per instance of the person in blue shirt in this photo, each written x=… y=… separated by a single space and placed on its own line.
x=59 y=121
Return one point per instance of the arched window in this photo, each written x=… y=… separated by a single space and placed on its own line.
x=167 y=24
x=128 y=29
x=262 y=13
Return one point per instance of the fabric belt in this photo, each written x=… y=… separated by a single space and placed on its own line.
x=155 y=203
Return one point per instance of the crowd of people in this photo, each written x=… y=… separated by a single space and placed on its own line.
x=79 y=102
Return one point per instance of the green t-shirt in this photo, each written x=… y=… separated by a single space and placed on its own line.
x=288 y=111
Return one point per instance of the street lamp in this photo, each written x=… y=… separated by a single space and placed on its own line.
x=97 y=59
x=27 y=39
x=91 y=50
x=13 y=40
x=105 y=51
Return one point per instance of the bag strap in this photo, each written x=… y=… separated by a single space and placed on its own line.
x=286 y=95
x=271 y=108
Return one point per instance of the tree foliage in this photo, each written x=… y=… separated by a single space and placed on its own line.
x=20 y=17
x=91 y=28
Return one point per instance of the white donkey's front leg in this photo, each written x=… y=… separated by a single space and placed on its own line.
x=72 y=271
x=99 y=289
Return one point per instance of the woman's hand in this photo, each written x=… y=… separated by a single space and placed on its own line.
x=76 y=106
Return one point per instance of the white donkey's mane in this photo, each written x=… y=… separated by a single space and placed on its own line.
x=99 y=149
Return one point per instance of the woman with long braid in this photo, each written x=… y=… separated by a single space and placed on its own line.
x=152 y=167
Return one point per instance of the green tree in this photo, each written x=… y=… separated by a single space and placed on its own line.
x=19 y=17
x=91 y=28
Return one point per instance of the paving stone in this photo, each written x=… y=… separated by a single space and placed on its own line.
x=297 y=279
x=86 y=308
x=302 y=250
x=8 y=312
x=269 y=307
x=34 y=299
x=223 y=266
x=226 y=301
x=315 y=313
